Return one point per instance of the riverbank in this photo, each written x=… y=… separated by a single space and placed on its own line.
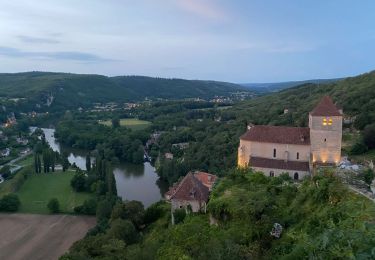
x=29 y=236
x=133 y=182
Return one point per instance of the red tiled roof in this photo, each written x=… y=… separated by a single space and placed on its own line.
x=206 y=179
x=278 y=134
x=326 y=107
x=190 y=188
x=278 y=164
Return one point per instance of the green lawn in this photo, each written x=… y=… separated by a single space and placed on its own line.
x=38 y=189
x=132 y=123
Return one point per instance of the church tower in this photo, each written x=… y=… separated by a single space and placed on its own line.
x=325 y=123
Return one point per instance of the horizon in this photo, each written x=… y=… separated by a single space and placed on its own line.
x=238 y=83
x=237 y=42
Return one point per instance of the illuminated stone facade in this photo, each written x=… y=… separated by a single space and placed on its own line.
x=276 y=149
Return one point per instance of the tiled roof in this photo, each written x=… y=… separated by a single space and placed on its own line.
x=205 y=178
x=278 y=164
x=326 y=107
x=190 y=188
x=278 y=134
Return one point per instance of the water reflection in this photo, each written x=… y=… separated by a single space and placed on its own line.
x=139 y=182
x=133 y=182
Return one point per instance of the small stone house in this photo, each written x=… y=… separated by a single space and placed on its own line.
x=192 y=192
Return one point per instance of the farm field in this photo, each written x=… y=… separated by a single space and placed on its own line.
x=132 y=123
x=29 y=236
x=38 y=189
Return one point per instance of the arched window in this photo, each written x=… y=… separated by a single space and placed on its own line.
x=274 y=153
x=272 y=174
x=325 y=139
x=296 y=176
x=297 y=156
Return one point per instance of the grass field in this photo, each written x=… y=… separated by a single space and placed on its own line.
x=132 y=123
x=38 y=189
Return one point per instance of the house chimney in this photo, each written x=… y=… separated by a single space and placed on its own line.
x=249 y=126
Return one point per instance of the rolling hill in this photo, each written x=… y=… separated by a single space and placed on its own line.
x=277 y=86
x=355 y=94
x=64 y=90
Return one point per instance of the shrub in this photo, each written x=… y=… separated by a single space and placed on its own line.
x=88 y=207
x=53 y=206
x=179 y=215
x=10 y=203
x=369 y=136
x=358 y=148
x=124 y=230
x=78 y=182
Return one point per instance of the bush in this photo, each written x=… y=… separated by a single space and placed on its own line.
x=179 y=215
x=152 y=213
x=88 y=207
x=10 y=203
x=369 y=136
x=78 y=182
x=368 y=176
x=103 y=210
x=124 y=230
x=358 y=148
x=53 y=206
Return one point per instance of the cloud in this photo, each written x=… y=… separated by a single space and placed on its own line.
x=30 y=39
x=205 y=9
x=58 y=55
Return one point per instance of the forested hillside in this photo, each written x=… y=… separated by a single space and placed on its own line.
x=62 y=90
x=356 y=95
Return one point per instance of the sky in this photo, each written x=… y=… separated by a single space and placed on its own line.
x=238 y=41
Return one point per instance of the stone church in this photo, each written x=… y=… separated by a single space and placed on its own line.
x=274 y=150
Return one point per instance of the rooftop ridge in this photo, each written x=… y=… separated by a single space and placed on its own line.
x=326 y=107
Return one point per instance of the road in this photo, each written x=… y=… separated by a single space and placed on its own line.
x=29 y=236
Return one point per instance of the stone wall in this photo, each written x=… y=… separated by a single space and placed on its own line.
x=266 y=150
x=278 y=172
x=325 y=139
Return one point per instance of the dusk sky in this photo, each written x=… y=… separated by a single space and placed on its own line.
x=236 y=41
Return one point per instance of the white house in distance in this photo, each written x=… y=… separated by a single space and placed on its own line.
x=274 y=150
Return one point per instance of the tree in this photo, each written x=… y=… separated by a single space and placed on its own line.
x=39 y=162
x=10 y=203
x=5 y=171
x=64 y=161
x=131 y=210
x=103 y=210
x=369 y=136
x=124 y=230
x=115 y=122
x=88 y=162
x=53 y=205
x=368 y=176
x=36 y=163
x=78 y=182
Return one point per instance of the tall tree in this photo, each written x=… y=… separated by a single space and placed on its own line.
x=88 y=162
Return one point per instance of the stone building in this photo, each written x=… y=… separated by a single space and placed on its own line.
x=192 y=192
x=274 y=150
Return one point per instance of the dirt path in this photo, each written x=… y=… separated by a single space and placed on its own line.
x=28 y=236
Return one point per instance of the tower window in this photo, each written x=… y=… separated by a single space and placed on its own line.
x=297 y=156
x=274 y=153
x=327 y=121
x=272 y=174
x=325 y=139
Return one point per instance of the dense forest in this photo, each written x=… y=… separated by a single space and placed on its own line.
x=59 y=91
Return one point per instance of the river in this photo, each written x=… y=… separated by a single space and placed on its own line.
x=133 y=182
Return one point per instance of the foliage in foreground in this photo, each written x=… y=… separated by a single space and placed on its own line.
x=321 y=219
